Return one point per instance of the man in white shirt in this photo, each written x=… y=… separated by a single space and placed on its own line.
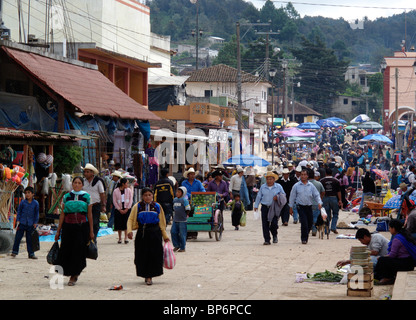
x=235 y=182
x=96 y=189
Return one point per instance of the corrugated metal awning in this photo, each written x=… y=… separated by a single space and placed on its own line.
x=86 y=89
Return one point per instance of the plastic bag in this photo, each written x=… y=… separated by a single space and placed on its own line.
x=387 y=196
x=324 y=215
x=169 y=259
x=92 y=251
x=35 y=240
x=256 y=214
x=243 y=220
x=52 y=257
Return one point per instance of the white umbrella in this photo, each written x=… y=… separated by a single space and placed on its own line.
x=369 y=125
x=360 y=118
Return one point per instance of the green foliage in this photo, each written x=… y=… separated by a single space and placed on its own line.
x=379 y=38
x=321 y=72
x=66 y=158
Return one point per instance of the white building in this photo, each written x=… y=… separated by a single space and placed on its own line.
x=221 y=81
x=113 y=25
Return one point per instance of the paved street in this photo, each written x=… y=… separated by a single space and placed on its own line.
x=239 y=267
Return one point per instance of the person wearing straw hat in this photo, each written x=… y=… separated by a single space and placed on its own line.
x=95 y=186
x=268 y=192
x=287 y=184
x=190 y=183
x=235 y=182
x=115 y=177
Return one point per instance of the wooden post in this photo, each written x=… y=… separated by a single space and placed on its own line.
x=61 y=115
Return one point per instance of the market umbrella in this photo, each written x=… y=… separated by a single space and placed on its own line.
x=339 y=120
x=246 y=160
x=360 y=118
x=308 y=126
x=351 y=127
x=370 y=125
x=292 y=124
x=377 y=138
x=383 y=174
x=300 y=140
x=395 y=202
x=294 y=132
x=325 y=123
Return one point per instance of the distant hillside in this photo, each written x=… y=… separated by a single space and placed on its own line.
x=378 y=38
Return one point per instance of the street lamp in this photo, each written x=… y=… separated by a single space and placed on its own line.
x=272 y=73
x=197 y=32
x=284 y=66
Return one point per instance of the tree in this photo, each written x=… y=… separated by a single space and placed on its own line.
x=321 y=72
x=228 y=54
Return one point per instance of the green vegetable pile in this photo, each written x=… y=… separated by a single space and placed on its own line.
x=326 y=276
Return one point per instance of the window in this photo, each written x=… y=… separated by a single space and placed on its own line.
x=345 y=101
x=208 y=93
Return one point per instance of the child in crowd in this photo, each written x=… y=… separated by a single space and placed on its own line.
x=181 y=209
x=237 y=210
x=26 y=221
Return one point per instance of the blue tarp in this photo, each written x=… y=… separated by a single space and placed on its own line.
x=102 y=232
x=24 y=113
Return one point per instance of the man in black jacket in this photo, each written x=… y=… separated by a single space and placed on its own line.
x=287 y=183
x=164 y=194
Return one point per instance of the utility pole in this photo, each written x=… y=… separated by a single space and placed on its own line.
x=285 y=66
x=397 y=110
x=240 y=103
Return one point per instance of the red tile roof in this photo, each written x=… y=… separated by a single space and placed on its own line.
x=221 y=73
x=87 y=89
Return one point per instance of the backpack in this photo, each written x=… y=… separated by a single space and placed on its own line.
x=96 y=179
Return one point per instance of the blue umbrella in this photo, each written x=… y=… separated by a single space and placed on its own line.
x=246 y=160
x=325 y=123
x=395 y=202
x=337 y=120
x=308 y=125
x=377 y=138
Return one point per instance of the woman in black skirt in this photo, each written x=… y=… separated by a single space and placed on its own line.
x=75 y=229
x=122 y=201
x=148 y=218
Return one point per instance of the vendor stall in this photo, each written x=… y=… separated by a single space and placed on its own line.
x=26 y=159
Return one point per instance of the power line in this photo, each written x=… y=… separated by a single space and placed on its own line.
x=341 y=5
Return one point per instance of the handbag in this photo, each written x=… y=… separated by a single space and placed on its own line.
x=169 y=259
x=52 y=257
x=92 y=251
x=382 y=224
x=35 y=240
x=243 y=220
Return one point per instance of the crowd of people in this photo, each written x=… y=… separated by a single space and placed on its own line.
x=330 y=174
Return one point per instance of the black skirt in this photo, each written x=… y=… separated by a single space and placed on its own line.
x=72 y=252
x=148 y=251
x=236 y=217
x=120 y=220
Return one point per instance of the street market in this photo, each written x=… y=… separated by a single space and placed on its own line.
x=265 y=165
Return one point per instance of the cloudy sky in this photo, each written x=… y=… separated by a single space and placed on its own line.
x=348 y=9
